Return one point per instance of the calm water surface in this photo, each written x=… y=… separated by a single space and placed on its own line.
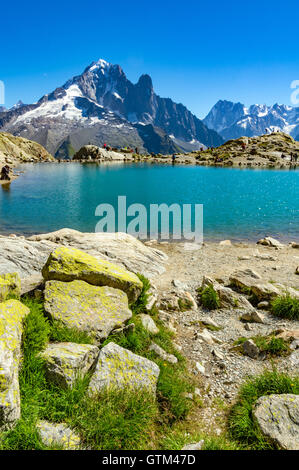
x=239 y=204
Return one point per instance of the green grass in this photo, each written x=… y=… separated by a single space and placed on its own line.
x=112 y=420
x=241 y=425
x=185 y=304
x=209 y=298
x=271 y=345
x=285 y=306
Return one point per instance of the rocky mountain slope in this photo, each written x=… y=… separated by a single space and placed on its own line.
x=15 y=150
x=102 y=105
x=233 y=120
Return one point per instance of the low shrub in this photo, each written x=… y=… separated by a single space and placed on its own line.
x=285 y=306
x=209 y=298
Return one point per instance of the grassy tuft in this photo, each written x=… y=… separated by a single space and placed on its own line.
x=241 y=424
x=285 y=306
x=209 y=298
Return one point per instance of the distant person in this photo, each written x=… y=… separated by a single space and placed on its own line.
x=173 y=158
x=136 y=150
x=105 y=145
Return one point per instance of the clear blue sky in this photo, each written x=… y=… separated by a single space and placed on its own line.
x=196 y=52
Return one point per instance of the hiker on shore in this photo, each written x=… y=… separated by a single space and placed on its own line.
x=173 y=158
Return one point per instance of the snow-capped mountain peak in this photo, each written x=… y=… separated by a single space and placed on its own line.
x=233 y=120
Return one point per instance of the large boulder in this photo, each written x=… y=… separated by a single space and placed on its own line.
x=67 y=362
x=93 y=309
x=28 y=256
x=278 y=419
x=10 y=284
x=119 y=368
x=12 y=314
x=120 y=248
x=57 y=434
x=69 y=264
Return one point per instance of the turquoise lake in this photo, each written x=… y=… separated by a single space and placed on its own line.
x=240 y=204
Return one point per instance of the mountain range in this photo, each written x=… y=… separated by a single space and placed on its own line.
x=234 y=120
x=102 y=105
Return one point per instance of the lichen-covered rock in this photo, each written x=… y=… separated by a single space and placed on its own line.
x=12 y=314
x=278 y=419
x=67 y=362
x=10 y=284
x=59 y=435
x=119 y=368
x=95 y=310
x=69 y=264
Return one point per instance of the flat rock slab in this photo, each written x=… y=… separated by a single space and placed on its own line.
x=69 y=264
x=67 y=362
x=278 y=419
x=12 y=314
x=119 y=368
x=95 y=310
x=120 y=248
x=52 y=434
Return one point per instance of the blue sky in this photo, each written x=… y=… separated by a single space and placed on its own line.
x=196 y=52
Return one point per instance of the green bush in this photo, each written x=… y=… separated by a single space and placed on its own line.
x=285 y=306
x=241 y=424
x=210 y=298
x=140 y=304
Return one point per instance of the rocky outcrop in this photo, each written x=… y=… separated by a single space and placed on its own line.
x=67 y=362
x=92 y=152
x=59 y=435
x=119 y=248
x=278 y=419
x=119 y=368
x=69 y=264
x=12 y=314
x=28 y=256
x=95 y=310
x=14 y=150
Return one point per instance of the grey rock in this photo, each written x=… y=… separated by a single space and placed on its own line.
x=67 y=362
x=195 y=446
x=163 y=354
x=119 y=368
x=53 y=434
x=149 y=324
x=95 y=310
x=278 y=419
x=250 y=349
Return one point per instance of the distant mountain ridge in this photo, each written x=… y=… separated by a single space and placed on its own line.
x=234 y=120
x=102 y=105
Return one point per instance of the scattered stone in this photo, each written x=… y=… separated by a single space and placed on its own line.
x=248 y=327
x=297 y=270
x=265 y=291
x=207 y=337
x=251 y=349
x=124 y=330
x=244 y=278
x=264 y=256
x=294 y=245
x=67 y=362
x=278 y=419
x=12 y=314
x=294 y=358
x=152 y=298
x=218 y=354
x=163 y=354
x=149 y=324
x=225 y=243
x=254 y=316
x=121 y=369
x=228 y=298
x=179 y=285
x=264 y=305
x=210 y=322
x=52 y=434
x=200 y=368
x=95 y=310
x=69 y=264
x=294 y=344
x=269 y=241
x=195 y=446
x=10 y=284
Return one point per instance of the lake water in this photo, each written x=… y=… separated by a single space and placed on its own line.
x=240 y=204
